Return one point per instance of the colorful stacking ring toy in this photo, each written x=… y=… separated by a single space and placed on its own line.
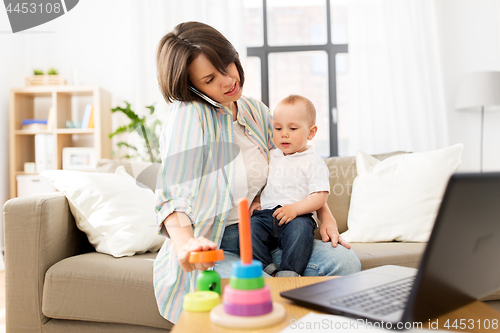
x=247 y=297
x=200 y=301
x=247 y=301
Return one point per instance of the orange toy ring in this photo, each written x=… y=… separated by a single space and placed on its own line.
x=206 y=256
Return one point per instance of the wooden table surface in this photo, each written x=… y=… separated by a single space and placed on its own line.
x=479 y=312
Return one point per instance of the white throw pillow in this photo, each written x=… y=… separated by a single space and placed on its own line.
x=398 y=198
x=117 y=215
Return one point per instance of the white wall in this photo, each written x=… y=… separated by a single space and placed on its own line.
x=470 y=41
x=93 y=41
x=11 y=75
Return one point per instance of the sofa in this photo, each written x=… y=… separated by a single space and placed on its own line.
x=56 y=282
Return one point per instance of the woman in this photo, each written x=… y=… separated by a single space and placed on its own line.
x=202 y=168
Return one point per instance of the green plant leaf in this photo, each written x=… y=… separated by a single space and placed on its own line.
x=122 y=144
x=119 y=130
x=127 y=111
x=151 y=108
x=156 y=123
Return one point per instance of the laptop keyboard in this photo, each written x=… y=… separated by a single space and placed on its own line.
x=381 y=300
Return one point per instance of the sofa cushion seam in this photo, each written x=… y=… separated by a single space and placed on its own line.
x=399 y=263
x=93 y=320
x=92 y=279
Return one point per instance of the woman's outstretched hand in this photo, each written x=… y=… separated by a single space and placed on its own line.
x=195 y=244
x=329 y=232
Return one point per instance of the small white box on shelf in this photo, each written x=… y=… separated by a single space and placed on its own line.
x=33 y=184
x=29 y=167
x=79 y=158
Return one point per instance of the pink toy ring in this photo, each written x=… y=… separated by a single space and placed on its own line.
x=248 y=310
x=247 y=297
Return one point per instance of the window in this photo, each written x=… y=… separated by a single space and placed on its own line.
x=299 y=47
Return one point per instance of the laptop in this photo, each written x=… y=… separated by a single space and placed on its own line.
x=461 y=264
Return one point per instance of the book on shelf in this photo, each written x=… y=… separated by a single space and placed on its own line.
x=87 y=115
x=34 y=124
x=44 y=152
x=51 y=119
x=91 y=121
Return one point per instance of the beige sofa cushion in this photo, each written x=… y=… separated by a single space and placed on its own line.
x=372 y=255
x=342 y=174
x=98 y=287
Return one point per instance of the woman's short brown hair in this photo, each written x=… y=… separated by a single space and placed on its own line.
x=179 y=48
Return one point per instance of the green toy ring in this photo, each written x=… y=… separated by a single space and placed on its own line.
x=246 y=284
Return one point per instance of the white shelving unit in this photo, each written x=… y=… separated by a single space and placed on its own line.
x=23 y=103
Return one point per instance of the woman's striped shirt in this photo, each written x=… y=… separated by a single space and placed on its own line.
x=196 y=177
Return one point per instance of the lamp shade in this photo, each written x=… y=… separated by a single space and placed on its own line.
x=477 y=90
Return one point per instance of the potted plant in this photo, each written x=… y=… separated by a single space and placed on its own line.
x=141 y=130
x=39 y=78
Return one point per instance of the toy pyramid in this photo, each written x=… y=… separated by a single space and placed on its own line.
x=247 y=301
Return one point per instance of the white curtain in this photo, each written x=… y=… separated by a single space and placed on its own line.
x=152 y=19
x=397 y=98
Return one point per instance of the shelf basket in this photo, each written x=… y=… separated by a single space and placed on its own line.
x=45 y=80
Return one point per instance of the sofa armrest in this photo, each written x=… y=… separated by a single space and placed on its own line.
x=39 y=231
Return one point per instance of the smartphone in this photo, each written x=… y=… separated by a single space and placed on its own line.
x=206 y=98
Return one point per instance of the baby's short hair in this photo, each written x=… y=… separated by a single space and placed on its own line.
x=310 y=109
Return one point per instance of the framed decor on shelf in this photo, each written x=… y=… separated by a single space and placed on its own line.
x=79 y=158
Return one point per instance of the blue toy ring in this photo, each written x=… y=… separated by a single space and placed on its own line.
x=247 y=271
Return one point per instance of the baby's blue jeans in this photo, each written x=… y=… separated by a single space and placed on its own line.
x=294 y=238
x=325 y=260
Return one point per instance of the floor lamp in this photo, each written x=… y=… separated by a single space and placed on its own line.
x=479 y=92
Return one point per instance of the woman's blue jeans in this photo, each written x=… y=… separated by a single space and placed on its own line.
x=295 y=239
x=325 y=260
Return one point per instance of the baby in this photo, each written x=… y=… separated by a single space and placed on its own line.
x=297 y=185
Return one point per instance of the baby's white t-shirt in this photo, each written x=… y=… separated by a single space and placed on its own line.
x=293 y=177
